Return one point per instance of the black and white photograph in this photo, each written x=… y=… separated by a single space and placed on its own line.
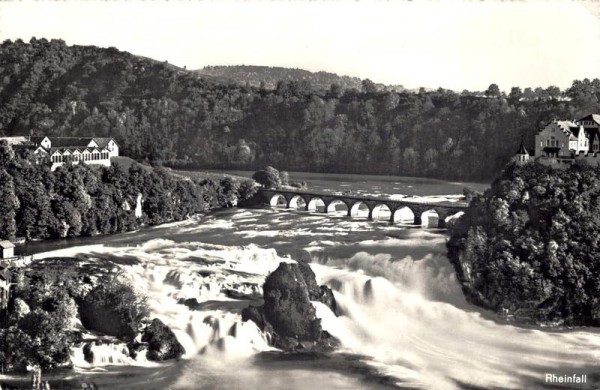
x=299 y=195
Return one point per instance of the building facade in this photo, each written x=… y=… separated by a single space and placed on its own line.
x=564 y=142
x=59 y=150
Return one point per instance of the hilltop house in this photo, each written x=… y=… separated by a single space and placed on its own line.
x=564 y=141
x=58 y=150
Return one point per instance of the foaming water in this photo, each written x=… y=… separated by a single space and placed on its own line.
x=400 y=306
x=435 y=344
x=108 y=354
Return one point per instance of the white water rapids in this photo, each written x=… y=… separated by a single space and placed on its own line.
x=402 y=308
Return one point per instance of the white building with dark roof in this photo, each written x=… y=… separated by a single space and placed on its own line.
x=7 y=249
x=58 y=150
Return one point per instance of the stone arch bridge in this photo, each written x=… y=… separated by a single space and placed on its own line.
x=353 y=202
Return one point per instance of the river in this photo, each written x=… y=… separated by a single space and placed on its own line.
x=404 y=319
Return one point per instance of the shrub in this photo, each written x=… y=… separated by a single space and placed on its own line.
x=114 y=308
x=268 y=178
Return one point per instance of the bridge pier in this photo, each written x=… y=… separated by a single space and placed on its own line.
x=393 y=212
x=418 y=214
x=418 y=221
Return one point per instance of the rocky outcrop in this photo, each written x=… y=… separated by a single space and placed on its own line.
x=105 y=319
x=322 y=294
x=88 y=354
x=162 y=343
x=288 y=315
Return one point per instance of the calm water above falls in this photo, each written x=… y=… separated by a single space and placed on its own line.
x=403 y=308
x=376 y=185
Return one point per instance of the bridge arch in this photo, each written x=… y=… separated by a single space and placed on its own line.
x=314 y=203
x=403 y=214
x=332 y=207
x=359 y=209
x=278 y=200
x=297 y=202
x=381 y=211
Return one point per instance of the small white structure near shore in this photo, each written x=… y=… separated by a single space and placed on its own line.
x=7 y=249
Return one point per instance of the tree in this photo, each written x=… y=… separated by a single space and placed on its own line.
x=285 y=178
x=493 y=91
x=268 y=178
x=515 y=95
x=410 y=161
x=368 y=86
x=9 y=204
x=246 y=189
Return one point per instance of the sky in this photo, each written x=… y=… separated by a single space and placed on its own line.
x=450 y=44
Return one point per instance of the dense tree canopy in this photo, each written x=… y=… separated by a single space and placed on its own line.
x=76 y=200
x=159 y=112
x=530 y=245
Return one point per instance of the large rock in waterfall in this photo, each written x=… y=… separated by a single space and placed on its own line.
x=322 y=294
x=162 y=343
x=288 y=314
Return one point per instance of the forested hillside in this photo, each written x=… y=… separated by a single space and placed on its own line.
x=269 y=76
x=159 y=112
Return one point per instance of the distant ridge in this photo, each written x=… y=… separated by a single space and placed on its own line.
x=269 y=77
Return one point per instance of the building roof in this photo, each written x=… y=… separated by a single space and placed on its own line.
x=591 y=117
x=567 y=126
x=60 y=142
x=102 y=141
x=5 y=244
x=66 y=142
x=522 y=149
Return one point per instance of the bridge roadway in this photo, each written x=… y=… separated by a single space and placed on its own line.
x=353 y=202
